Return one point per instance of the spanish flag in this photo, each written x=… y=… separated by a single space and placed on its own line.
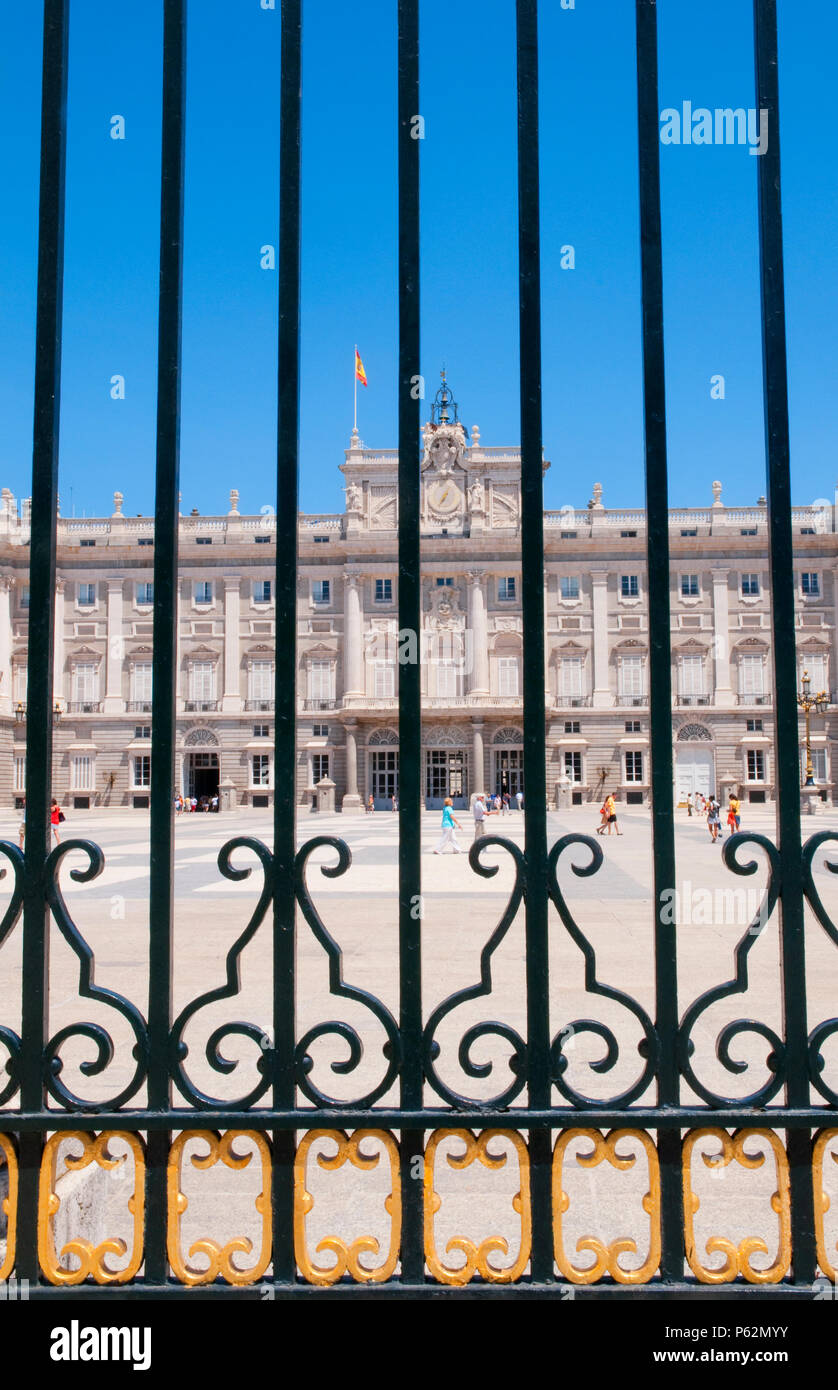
x=359 y=369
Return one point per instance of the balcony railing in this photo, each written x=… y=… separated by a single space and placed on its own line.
x=262 y=706
x=84 y=706
x=200 y=706
x=753 y=699
x=325 y=704
x=692 y=700
x=572 y=701
x=139 y=707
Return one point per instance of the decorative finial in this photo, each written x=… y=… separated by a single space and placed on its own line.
x=444 y=409
x=118 y=500
x=596 y=500
x=234 y=501
x=717 y=494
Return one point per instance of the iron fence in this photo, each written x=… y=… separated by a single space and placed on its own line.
x=536 y=1107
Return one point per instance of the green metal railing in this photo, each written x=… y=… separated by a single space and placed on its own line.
x=538 y=1099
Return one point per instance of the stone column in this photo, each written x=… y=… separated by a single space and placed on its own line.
x=723 y=695
x=602 y=697
x=231 y=701
x=548 y=694
x=478 y=771
x=351 y=800
x=6 y=692
x=114 y=701
x=353 y=636
x=58 y=647
x=479 y=630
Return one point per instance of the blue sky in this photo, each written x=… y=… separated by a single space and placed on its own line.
x=592 y=405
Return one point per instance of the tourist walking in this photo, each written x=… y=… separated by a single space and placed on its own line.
x=689 y=804
x=505 y=804
x=480 y=813
x=733 y=815
x=603 y=812
x=611 y=817
x=22 y=828
x=370 y=806
x=713 y=818
x=56 y=816
x=449 y=824
x=519 y=798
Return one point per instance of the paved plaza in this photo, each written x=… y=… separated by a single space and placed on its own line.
x=613 y=908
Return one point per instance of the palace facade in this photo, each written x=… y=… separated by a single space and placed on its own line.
x=597 y=643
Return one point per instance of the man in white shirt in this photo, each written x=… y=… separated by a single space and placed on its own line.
x=480 y=813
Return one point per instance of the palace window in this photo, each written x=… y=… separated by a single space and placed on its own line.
x=750 y=585
x=86 y=595
x=321 y=591
x=631 y=677
x=81 y=772
x=444 y=583
x=261 y=540
x=753 y=726
x=321 y=683
x=145 y=540
x=810 y=584
x=569 y=585
x=816 y=667
x=629 y=586
x=506 y=588
x=818 y=764
x=446 y=679
x=262 y=591
x=573 y=765
x=571 y=677
x=260 y=681
x=319 y=767
x=20 y=772
x=571 y=726
x=756 y=765
x=261 y=731
x=141 y=683
x=145 y=595
x=751 y=675
x=384 y=591
x=141 y=770
x=142 y=731
x=384 y=679
x=691 y=675
x=260 y=764
x=634 y=766
x=508 y=675
x=689 y=586
x=320 y=731
x=85 y=681
x=202 y=591
x=24 y=596
x=632 y=726
x=202 y=682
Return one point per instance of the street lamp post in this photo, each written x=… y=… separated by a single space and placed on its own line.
x=809 y=702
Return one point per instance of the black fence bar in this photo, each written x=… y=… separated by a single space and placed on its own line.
x=285 y=693
x=781 y=568
x=660 y=679
x=532 y=595
x=410 y=598
x=39 y=690
x=164 y=660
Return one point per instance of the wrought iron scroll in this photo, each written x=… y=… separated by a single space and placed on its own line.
x=738 y=985
x=829 y=1027
x=488 y=1028
x=8 y=1037
x=302 y=1057
x=230 y=988
x=88 y=989
x=648 y=1047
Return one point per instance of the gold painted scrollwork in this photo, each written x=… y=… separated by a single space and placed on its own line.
x=607 y=1256
x=92 y=1258
x=9 y=1206
x=824 y=1139
x=738 y=1257
x=347 y=1255
x=220 y=1257
x=477 y=1256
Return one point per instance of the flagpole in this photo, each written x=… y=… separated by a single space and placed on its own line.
x=355 y=379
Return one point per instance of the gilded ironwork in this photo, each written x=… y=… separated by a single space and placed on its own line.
x=347 y=1255
x=607 y=1256
x=477 y=1257
x=92 y=1258
x=9 y=1204
x=829 y=1027
x=219 y=1258
x=738 y=1257
x=517 y=1059
x=647 y=1047
x=827 y=1262
x=776 y=1059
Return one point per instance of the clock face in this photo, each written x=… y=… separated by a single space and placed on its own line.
x=444 y=495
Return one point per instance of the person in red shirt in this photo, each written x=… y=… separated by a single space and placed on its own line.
x=55 y=817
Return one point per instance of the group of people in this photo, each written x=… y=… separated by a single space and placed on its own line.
x=193 y=803
x=56 y=816
x=709 y=807
x=482 y=807
x=608 y=816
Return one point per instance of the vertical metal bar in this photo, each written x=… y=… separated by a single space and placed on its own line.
x=35 y=1003
x=285 y=752
x=164 y=669
x=660 y=680
x=781 y=562
x=532 y=590
x=410 y=708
